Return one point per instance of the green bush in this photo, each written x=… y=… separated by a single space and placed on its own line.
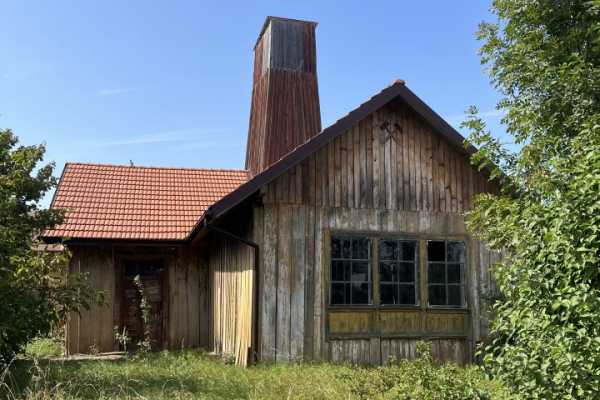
x=544 y=58
x=34 y=296
x=422 y=379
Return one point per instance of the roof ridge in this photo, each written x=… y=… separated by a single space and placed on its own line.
x=155 y=167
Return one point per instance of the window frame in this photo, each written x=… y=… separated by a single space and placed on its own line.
x=463 y=284
x=422 y=278
x=370 y=273
x=417 y=271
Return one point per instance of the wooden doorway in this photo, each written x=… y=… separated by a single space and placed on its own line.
x=151 y=273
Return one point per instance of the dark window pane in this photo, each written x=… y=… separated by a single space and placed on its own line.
x=337 y=270
x=388 y=293
x=408 y=250
x=346 y=247
x=338 y=293
x=360 y=293
x=437 y=273
x=336 y=248
x=406 y=272
x=456 y=252
x=407 y=295
x=436 y=251
x=437 y=295
x=360 y=271
x=454 y=273
x=360 y=249
x=388 y=250
x=454 y=297
x=388 y=271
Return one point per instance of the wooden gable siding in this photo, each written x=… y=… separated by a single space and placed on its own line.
x=404 y=179
x=391 y=160
x=185 y=308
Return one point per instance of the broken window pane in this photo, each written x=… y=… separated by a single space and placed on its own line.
x=456 y=252
x=388 y=250
x=387 y=271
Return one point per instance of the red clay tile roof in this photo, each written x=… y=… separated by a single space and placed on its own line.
x=137 y=203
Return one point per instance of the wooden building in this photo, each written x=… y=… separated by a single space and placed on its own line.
x=346 y=243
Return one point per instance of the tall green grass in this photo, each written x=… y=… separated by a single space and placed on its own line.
x=195 y=375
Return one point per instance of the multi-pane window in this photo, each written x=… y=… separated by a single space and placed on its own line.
x=445 y=273
x=350 y=270
x=398 y=271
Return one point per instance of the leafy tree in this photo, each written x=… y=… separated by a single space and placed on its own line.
x=34 y=293
x=544 y=58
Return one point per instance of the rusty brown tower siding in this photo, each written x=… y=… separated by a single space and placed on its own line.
x=285 y=109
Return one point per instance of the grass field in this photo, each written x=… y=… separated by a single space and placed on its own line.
x=195 y=375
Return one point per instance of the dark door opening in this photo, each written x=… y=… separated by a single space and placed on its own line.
x=151 y=273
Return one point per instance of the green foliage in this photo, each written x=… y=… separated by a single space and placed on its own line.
x=145 y=345
x=44 y=347
x=544 y=57
x=121 y=337
x=194 y=375
x=34 y=293
x=422 y=380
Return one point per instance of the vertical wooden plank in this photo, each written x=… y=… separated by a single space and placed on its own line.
x=318 y=285
x=297 y=305
x=392 y=163
x=448 y=177
x=284 y=277
x=337 y=182
x=369 y=161
x=418 y=163
x=363 y=164
x=309 y=302
x=429 y=155
x=343 y=170
x=332 y=172
x=377 y=163
x=350 y=155
x=375 y=351
x=357 y=166
x=268 y=292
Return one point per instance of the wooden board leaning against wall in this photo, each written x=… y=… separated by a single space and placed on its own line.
x=392 y=175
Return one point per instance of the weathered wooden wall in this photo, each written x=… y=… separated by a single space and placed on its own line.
x=389 y=174
x=188 y=289
x=93 y=327
x=186 y=306
x=231 y=272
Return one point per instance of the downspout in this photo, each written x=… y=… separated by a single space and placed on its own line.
x=253 y=356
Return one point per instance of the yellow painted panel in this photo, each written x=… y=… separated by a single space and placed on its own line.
x=355 y=322
x=396 y=322
x=446 y=323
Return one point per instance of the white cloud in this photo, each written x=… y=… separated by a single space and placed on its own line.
x=188 y=138
x=113 y=91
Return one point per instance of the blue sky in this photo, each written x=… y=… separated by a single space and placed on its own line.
x=169 y=83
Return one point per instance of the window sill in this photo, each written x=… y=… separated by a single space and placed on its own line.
x=393 y=307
